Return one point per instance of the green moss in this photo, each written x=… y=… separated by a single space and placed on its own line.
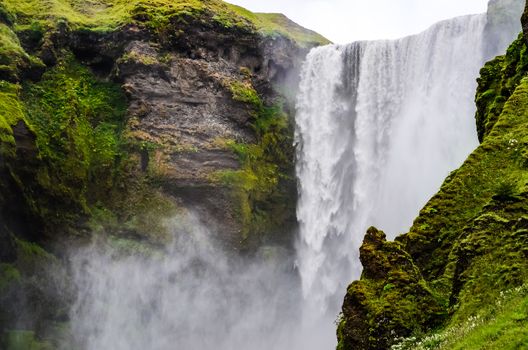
x=23 y=340
x=244 y=92
x=497 y=82
x=262 y=188
x=31 y=257
x=157 y=15
x=5 y=16
x=12 y=56
x=84 y=168
x=11 y=112
x=274 y=24
x=77 y=122
x=14 y=61
x=136 y=57
x=390 y=301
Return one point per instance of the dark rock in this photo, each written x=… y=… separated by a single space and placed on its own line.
x=524 y=21
x=391 y=300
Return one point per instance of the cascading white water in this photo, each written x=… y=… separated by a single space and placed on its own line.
x=379 y=126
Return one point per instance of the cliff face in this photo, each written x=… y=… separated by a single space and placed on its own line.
x=198 y=91
x=117 y=115
x=466 y=250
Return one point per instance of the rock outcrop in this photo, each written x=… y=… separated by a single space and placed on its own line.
x=198 y=78
x=381 y=297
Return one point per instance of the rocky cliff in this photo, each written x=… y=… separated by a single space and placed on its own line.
x=458 y=279
x=118 y=115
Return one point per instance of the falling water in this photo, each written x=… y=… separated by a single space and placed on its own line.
x=379 y=125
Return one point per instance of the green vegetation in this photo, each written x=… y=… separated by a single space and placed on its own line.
x=262 y=187
x=77 y=121
x=84 y=172
x=12 y=56
x=28 y=281
x=11 y=112
x=273 y=24
x=158 y=15
x=500 y=325
x=503 y=327
x=391 y=295
x=80 y=168
x=497 y=82
x=472 y=249
x=8 y=275
x=244 y=92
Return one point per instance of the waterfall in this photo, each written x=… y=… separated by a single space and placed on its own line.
x=379 y=125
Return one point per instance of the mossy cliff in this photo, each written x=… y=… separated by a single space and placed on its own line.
x=458 y=279
x=116 y=115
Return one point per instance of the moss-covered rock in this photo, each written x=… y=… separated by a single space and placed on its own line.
x=497 y=82
x=392 y=300
x=158 y=15
x=15 y=63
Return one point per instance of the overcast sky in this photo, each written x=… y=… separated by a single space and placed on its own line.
x=343 y=21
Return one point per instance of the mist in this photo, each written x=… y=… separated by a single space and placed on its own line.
x=190 y=296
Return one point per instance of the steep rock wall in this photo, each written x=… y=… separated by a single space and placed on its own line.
x=196 y=78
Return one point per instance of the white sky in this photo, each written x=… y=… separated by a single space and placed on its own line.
x=344 y=21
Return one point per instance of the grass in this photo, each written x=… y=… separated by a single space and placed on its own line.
x=108 y=15
x=273 y=24
x=500 y=325
x=14 y=61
